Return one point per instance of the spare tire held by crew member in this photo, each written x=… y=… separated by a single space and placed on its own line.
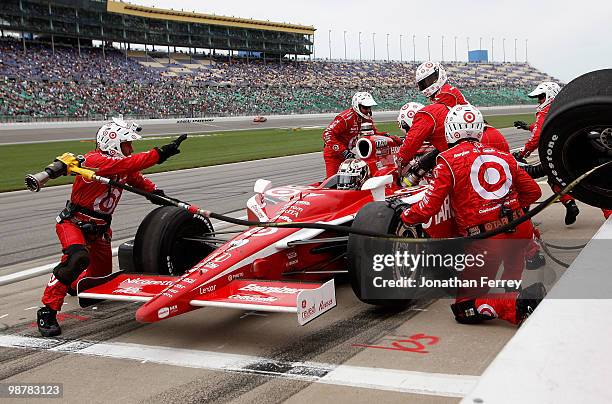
x=577 y=136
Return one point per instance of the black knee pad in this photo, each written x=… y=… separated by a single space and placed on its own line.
x=78 y=260
x=466 y=313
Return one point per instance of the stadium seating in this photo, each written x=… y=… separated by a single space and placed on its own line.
x=63 y=83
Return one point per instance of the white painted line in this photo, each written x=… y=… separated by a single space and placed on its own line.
x=30 y=308
x=4 y=315
x=45 y=269
x=404 y=381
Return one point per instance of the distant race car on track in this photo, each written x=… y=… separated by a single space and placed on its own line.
x=260 y=118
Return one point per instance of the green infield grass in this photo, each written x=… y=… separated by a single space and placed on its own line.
x=197 y=151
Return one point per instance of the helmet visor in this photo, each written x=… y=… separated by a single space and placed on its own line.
x=348 y=181
x=429 y=80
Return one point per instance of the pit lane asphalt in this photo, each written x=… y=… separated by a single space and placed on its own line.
x=20 y=133
x=332 y=339
x=27 y=220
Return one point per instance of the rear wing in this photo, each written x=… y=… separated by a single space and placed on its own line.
x=308 y=300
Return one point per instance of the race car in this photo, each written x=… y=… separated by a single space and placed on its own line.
x=177 y=262
x=259 y=119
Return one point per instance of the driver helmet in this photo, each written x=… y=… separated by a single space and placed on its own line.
x=463 y=122
x=352 y=174
x=406 y=115
x=365 y=99
x=430 y=77
x=112 y=134
x=545 y=93
x=366 y=129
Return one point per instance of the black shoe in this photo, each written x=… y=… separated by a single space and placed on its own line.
x=528 y=299
x=571 y=212
x=535 y=262
x=47 y=322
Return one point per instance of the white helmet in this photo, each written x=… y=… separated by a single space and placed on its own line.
x=406 y=115
x=352 y=174
x=430 y=77
x=548 y=89
x=463 y=122
x=365 y=99
x=112 y=134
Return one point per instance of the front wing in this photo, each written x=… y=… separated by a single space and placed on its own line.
x=308 y=300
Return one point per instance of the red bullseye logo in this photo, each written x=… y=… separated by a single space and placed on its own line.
x=490 y=177
x=469 y=117
x=112 y=135
x=410 y=114
x=428 y=64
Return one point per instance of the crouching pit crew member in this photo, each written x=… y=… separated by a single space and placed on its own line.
x=487 y=189
x=83 y=227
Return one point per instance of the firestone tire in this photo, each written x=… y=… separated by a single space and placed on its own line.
x=378 y=217
x=584 y=105
x=160 y=247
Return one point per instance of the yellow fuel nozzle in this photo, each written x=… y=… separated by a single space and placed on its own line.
x=66 y=164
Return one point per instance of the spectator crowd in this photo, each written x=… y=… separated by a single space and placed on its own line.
x=87 y=83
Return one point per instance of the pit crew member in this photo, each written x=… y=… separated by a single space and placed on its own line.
x=428 y=122
x=487 y=189
x=83 y=227
x=343 y=128
x=545 y=93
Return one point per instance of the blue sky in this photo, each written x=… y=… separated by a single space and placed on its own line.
x=564 y=39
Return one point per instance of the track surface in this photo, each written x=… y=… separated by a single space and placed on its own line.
x=337 y=338
x=18 y=133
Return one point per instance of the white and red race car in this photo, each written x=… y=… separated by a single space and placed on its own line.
x=178 y=263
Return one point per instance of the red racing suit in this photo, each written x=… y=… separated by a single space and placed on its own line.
x=336 y=137
x=494 y=138
x=428 y=123
x=100 y=201
x=536 y=129
x=534 y=141
x=479 y=180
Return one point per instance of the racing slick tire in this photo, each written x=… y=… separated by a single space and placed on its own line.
x=577 y=136
x=378 y=217
x=160 y=246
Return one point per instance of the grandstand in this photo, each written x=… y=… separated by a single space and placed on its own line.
x=46 y=74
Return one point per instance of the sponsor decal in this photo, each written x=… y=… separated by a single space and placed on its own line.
x=163 y=312
x=490 y=177
x=469 y=117
x=146 y=282
x=128 y=290
x=304 y=303
x=254 y=298
x=112 y=135
x=487 y=310
x=231 y=277
x=207 y=289
x=254 y=287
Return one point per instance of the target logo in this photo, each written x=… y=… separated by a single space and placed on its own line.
x=106 y=203
x=490 y=177
x=411 y=114
x=487 y=310
x=429 y=64
x=469 y=117
x=456 y=135
x=112 y=135
x=335 y=147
